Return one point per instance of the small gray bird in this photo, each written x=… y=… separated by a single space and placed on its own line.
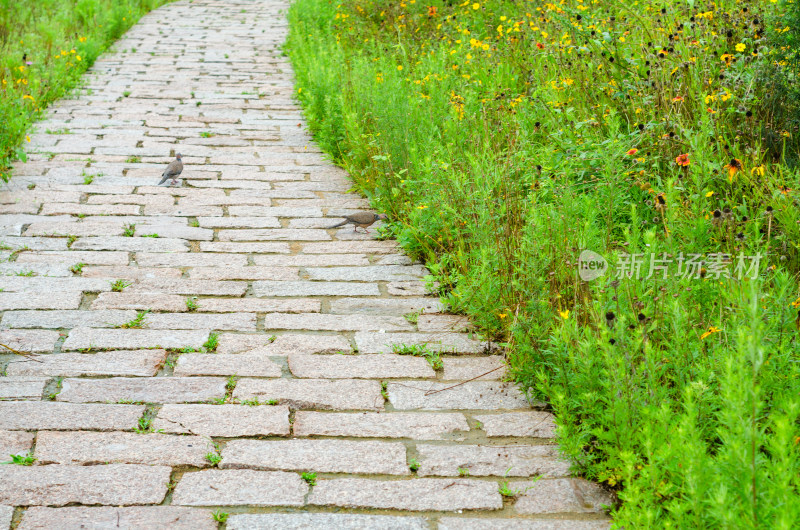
x=173 y=171
x=361 y=220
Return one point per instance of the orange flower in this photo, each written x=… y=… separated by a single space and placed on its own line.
x=632 y=152
x=432 y=11
x=540 y=45
x=682 y=160
x=734 y=166
x=677 y=98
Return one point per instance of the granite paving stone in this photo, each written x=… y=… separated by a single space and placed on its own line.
x=533 y=423
x=240 y=487
x=225 y=421
x=22 y=387
x=130 y=518
x=144 y=390
x=304 y=521
x=339 y=394
x=412 y=495
x=14 y=443
x=491 y=460
x=142 y=363
x=419 y=426
x=35 y=415
x=87 y=448
x=381 y=366
x=59 y=485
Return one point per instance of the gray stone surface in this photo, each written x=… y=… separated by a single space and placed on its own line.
x=22 y=387
x=340 y=394
x=414 y=425
x=478 y=368
x=143 y=363
x=115 y=484
x=567 y=495
x=469 y=523
x=371 y=342
x=261 y=344
x=130 y=518
x=29 y=340
x=226 y=421
x=490 y=460
x=150 y=390
x=375 y=273
x=303 y=521
x=325 y=456
x=412 y=495
x=259 y=305
x=226 y=364
x=140 y=301
x=276 y=288
x=88 y=448
x=35 y=415
x=6 y=514
x=240 y=487
x=334 y=322
x=94 y=338
x=533 y=423
x=14 y=443
x=385 y=306
x=380 y=366
x=62 y=300
x=476 y=395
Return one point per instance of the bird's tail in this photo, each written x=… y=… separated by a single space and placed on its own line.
x=340 y=224
x=163 y=179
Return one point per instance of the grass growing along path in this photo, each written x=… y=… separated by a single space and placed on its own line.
x=506 y=137
x=45 y=46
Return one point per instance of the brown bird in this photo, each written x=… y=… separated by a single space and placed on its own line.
x=173 y=171
x=361 y=220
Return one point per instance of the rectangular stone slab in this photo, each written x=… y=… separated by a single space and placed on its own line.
x=380 y=366
x=6 y=514
x=14 y=443
x=22 y=387
x=414 y=425
x=226 y=421
x=63 y=300
x=489 y=460
x=226 y=364
x=142 y=363
x=534 y=423
x=150 y=390
x=319 y=521
x=95 y=338
x=262 y=344
x=115 y=484
x=371 y=342
x=325 y=456
x=412 y=495
x=560 y=496
x=129 y=518
x=29 y=340
x=43 y=415
x=240 y=487
x=302 y=288
x=335 y=322
x=475 y=395
x=340 y=394
x=461 y=523
x=88 y=448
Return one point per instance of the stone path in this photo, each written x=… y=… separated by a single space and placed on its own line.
x=270 y=345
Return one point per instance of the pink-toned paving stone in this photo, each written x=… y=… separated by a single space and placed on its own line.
x=236 y=329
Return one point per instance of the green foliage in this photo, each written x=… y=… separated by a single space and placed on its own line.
x=212 y=342
x=45 y=46
x=118 y=286
x=219 y=516
x=191 y=304
x=503 y=138
x=21 y=460
x=311 y=478
x=77 y=268
x=136 y=323
x=129 y=230
x=420 y=350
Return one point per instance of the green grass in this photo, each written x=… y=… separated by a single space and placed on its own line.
x=503 y=138
x=45 y=46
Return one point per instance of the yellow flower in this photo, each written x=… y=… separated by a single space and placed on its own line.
x=501 y=315
x=709 y=194
x=26 y=96
x=78 y=57
x=564 y=314
x=758 y=170
x=28 y=139
x=476 y=5
x=740 y=47
x=710 y=331
x=399 y=67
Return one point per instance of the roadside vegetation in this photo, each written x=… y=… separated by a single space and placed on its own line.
x=503 y=138
x=45 y=46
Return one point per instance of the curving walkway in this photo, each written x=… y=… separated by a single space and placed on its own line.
x=266 y=350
